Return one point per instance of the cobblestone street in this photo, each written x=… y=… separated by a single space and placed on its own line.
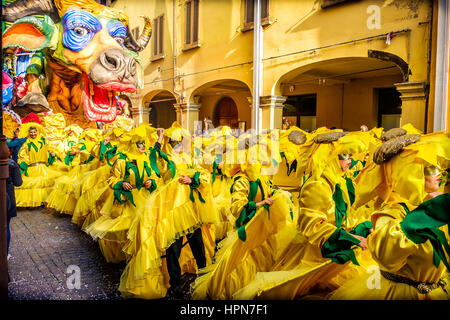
x=43 y=246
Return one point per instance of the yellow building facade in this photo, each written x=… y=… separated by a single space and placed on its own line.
x=327 y=63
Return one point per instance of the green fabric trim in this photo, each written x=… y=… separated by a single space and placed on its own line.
x=91 y=157
x=338 y=247
x=362 y=229
x=422 y=224
x=69 y=158
x=139 y=178
x=24 y=168
x=339 y=205
x=193 y=186
x=154 y=152
x=351 y=190
x=249 y=210
x=52 y=159
x=31 y=144
x=119 y=191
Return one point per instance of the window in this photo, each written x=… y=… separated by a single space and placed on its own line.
x=300 y=111
x=191 y=35
x=158 y=27
x=250 y=10
x=389 y=108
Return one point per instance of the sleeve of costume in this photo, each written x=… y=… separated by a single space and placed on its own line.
x=24 y=155
x=388 y=244
x=118 y=173
x=239 y=196
x=95 y=151
x=316 y=214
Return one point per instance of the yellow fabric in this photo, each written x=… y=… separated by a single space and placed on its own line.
x=395 y=253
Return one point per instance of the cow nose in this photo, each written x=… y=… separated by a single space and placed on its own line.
x=112 y=60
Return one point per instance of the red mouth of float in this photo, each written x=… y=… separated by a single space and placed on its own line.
x=100 y=102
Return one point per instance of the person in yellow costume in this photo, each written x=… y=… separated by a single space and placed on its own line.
x=38 y=177
x=78 y=159
x=259 y=212
x=181 y=211
x=94 y=182
x=213 y=158
x=132 y=182
x=410 y=239
x=321 y=253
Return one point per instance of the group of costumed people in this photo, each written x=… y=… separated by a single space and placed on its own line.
x=284 y=214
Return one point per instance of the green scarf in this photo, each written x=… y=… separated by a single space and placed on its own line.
x=422 y=224
x=194 y=186
x=154 y=153
x=249 y=209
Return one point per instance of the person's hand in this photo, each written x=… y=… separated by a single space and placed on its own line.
x=363 y=242
x=220 y=166
x=127 y=186
x=160 y=132
x=53 y=154
x=267 y=201
x=148 y=184
x=185 y=179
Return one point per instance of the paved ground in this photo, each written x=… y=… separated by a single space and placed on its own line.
x=43 y=246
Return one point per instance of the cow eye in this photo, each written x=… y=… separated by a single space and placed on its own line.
x=80 y=31
x=120 y=40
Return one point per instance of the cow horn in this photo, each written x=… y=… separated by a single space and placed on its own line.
x=22 y=8
x=139 y=44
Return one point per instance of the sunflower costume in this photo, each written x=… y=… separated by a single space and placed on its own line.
x=175 y=213
x=253 y=244
x=410 y=238
x=320 y=254
x=38 y=177
x=122 y=204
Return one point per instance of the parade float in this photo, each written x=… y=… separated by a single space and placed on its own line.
x=69 y=57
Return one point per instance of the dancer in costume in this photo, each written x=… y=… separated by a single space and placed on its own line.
x=94 y=182
x=410 y=238
x=259 y=212
x=38 y=177
x=181 y=211
x=132 y=183
x=63 y=197
x=320 y=254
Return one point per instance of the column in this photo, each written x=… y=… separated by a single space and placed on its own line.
x=187 y=114
x=413 y=95
x=272 y=111
x=139 y=112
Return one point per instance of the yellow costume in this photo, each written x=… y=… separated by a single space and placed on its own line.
x=38 y=178
x=173 y=211
x=122 y=205
x=324 y=226
x=409 y=234
x=252 y=246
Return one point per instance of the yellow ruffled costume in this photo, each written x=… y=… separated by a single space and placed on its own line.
x=252 y=246
x=121 y=205
x=304 y=269
x=173 y=211
x=94 y=182
x=38 y=178
x=398 y=185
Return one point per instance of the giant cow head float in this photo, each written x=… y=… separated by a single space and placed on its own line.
x=87 y=47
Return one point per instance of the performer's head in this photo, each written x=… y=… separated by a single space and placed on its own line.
x=345 y=160
x=32 y=132
x=432 y=179
x=140 y=146
x=106 y=140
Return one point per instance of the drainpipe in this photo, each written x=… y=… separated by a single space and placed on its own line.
x=442 y=65
x=257 y=65
x=174 y=48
